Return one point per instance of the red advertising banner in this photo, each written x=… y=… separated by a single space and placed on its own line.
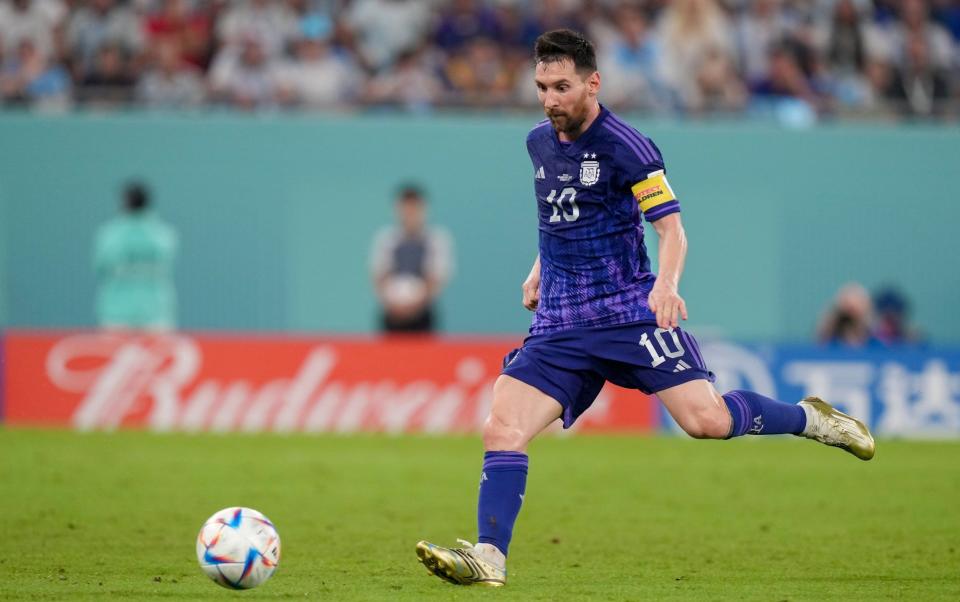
x=182 y=382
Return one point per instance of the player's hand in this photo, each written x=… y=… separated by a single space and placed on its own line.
x=531 y=292
x=667 y=304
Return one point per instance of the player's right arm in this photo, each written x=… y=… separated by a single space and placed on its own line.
x=531 y=286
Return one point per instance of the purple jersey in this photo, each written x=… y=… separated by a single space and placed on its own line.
x=594 y=268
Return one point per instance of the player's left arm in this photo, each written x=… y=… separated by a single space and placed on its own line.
x=665 y=300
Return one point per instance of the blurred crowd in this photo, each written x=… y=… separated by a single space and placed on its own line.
x=798 y=60
x=856 y=319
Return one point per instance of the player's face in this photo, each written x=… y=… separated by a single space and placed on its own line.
x=565 y=94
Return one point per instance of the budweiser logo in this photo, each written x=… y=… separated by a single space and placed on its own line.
x=161 y=382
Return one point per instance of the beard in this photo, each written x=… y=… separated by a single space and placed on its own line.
x=568 y=123
x=565 y=123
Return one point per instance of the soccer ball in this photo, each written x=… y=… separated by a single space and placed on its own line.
x=404 y=289
x=238 y=548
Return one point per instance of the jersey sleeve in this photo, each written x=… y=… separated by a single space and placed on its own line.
x=645 y=175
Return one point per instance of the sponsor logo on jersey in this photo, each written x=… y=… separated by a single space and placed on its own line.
x=540 y=175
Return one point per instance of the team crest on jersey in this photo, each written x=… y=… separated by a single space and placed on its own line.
x=589 y=172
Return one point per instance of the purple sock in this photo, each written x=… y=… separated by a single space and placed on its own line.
x=754 y=414
x=502 y=484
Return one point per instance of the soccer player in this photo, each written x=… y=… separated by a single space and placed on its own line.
x=601 y=315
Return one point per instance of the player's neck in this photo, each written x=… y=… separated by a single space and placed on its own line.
x=592 y=113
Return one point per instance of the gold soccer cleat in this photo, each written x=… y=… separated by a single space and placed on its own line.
x=461 y=566
x=832 y=427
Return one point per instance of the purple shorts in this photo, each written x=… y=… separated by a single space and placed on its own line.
x=571 y=366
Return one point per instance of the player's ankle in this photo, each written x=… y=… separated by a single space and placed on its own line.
x=811 y=420
x=491 y=554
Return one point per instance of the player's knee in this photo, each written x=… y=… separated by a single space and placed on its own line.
x=707 y=424
x=499 y=434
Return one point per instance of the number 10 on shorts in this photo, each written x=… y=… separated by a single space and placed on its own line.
x=658 y=359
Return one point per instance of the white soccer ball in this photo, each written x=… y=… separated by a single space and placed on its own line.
x=404 y=289
x=238 y=548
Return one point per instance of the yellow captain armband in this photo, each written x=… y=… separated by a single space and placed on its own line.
x=653 y=191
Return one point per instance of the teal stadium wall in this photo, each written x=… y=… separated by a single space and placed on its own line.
x=276 y=213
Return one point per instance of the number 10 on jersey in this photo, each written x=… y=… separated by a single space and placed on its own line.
x=658 y=359
x=568 y=194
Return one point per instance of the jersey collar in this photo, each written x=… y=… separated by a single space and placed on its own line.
x=577 y=145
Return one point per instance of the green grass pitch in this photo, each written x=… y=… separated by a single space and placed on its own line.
x=114 y=516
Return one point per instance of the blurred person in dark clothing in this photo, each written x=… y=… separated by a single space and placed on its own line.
x=410 y=263
x=919 y=88
x=463 y=21
x=109 y=82
x=847 y=322
x=893 y=318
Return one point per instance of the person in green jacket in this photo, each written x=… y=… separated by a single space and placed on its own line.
x=133 y=259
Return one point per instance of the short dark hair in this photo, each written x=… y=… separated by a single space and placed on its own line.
x=410 y=192
x=566 y=45
x=136 y=197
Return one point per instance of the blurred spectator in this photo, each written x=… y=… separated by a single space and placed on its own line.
x=850 y=47
x=629 y=61
x=556 y=14
x=385 y=29
x=785 y=79
x=516 y=29
x=794 y=60
x=246 y=77
x=914 y=28
x=947 y=13
x=463 y=21
x=410 y=264
x=318 y=77
x=696 y=35
x=188 y=28
x=478 y=75
x=97 y=23
x=893 y=318
x=269 y=23
x=170 y=83
x=35 y=20
x=109 y=82
x=133 y=260
x=759 y=30
x=848 y=320
x=314 y=21
x=30 y=78
x=919 y=88
x=412 y=84
x=721 y=90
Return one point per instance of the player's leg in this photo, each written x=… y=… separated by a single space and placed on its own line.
x=669 y=363
x=550 y=377
x=703 y=413
x=518 y=413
